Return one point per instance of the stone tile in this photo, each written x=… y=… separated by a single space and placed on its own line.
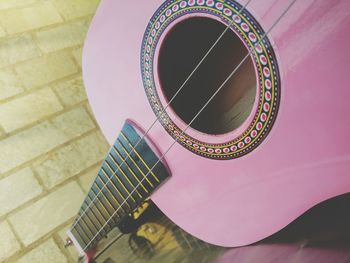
x=22 y=111
x=47 y=213
x=46 y=252
x=72 y=159
x=62 y=36
x=87 y=178
x=74 y=122
x=46 y=69
x=16 y=189
x=76 y=8
x=2 y=32
x=24 y=19
x=8 y=242
x=17 y=49
x=40 y=139
x=9 y=84
x=89 y=110
x=2 y=133
x=6 y=4
x=71 y=91
x=78 y=55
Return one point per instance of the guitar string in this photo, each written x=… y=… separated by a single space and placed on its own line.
x=251 y=50
x=161 y=114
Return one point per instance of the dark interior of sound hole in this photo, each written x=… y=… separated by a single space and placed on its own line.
x=182 y=49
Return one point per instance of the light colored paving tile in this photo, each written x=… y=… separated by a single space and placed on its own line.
x=76 y=8
x=9 y=84
x=2 y=32
x=87 y=178
x=8 y=242
x=63 y=36
x=47 y=213
x=71 y=91
x=47 y=252
x=74 y=122
x=16 y=189
x=6 y=4
x=89 y=109
x=78 y=55
x=72 y=159
x=2 y=133
x=41 y=138
x=46 y=69
x=24 y=19
x=20 y=112
x=17 y=49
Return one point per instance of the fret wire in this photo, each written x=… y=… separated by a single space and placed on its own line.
x=120 y=182
x=83 y=234
x=78 y=236
x=114 y=186
x=102 y=205
x=133 y=161
x=128 y=166
x=138 y=155
x=91 y=221
x=127 y=178
x=93 y=213
x=108 y=201
x=116 y=150
x=115 y=199
x=98 y=209
x=120 y=169
x=86 y=229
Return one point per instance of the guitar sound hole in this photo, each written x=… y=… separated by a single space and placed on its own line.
x=182 y=49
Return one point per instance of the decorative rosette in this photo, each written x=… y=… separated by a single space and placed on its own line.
x=244 y=24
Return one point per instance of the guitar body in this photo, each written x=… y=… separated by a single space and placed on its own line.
x=302 y=160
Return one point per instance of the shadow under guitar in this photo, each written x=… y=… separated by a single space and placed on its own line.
x=326 y=225
x=322 y=234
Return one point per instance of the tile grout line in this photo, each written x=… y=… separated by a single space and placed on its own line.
x=47 y=27
x=15 y=233
x=85 y=105
x=26 y=91
x=47 y=118
x=21 y=6
x=26 y=249
x=33 y=5
x=43 y=54
x=75 y=60
x=25 y=164
x=39 y=179
x=23 y=91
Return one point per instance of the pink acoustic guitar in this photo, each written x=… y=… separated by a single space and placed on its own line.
x=256 y=129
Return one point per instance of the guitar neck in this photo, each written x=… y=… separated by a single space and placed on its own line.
x=127 y=177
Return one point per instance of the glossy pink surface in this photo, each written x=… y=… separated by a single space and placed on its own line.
x=304 y=160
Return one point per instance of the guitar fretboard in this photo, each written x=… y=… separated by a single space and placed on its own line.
x=128 y=175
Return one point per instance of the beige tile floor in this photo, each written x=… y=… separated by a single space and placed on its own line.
x=50 y=144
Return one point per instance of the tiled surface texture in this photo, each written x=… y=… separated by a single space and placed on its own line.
x=50 y=146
